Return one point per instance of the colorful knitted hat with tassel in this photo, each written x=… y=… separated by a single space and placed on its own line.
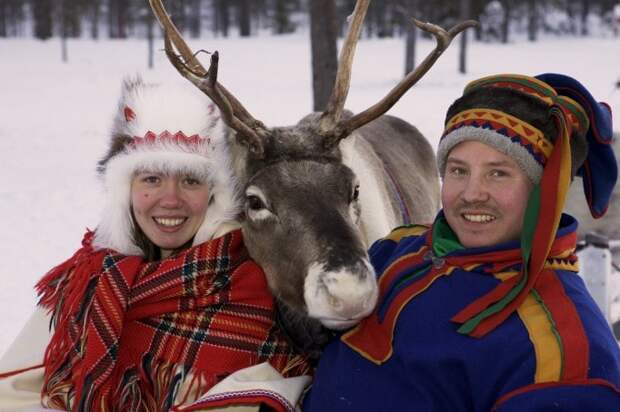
x=554 y=129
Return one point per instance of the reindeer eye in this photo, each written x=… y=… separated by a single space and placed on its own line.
x=254 y=202
x=356 y=193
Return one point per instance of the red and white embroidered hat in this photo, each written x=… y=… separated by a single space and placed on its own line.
x=169 y=129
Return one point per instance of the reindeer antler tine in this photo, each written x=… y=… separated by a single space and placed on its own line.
x=462 y=26
x=215 y=58
x=171 y=31
x=443 y=39
x=177 y=62
x=249 y=130
x=340 y=90
x=245 y=132
x=441 y=36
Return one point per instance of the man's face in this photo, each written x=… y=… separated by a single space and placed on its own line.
x=484 y=195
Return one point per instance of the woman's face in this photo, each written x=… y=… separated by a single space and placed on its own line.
x=169 y=208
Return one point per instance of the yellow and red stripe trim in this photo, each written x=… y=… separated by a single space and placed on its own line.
x=574 y=341
x=373 y=337
x=544 y=337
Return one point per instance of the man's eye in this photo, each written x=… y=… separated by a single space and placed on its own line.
x=498 y=173
x=457 y=171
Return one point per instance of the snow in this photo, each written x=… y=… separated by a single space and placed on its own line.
x=54 y=119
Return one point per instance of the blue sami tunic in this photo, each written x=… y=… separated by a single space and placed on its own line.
x=556 y=353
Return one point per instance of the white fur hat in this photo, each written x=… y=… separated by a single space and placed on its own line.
x=164 y=128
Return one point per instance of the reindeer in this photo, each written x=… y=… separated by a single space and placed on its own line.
x=319 y=192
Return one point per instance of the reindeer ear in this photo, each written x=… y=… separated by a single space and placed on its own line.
x=129 y=114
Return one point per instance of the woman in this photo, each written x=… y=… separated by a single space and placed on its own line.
x=161 y=302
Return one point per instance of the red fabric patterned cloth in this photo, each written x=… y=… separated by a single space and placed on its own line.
x=132 y=335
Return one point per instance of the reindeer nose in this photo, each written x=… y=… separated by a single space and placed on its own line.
x=340 y=297
x=349 y=307
x=351 y=295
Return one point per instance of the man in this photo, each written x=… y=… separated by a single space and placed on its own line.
x=484 y=310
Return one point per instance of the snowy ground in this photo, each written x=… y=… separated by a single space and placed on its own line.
x=54 y=119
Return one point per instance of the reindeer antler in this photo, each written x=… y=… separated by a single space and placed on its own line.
x=249 y=130
x=335 y=105
x=335 y=129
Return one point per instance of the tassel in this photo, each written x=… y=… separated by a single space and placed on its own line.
x=540 y=226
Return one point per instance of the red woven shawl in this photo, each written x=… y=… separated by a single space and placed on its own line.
x=137 y=336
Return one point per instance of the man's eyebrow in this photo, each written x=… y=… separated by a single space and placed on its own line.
x=498 y=163
x=455 y=160
x=501 y=163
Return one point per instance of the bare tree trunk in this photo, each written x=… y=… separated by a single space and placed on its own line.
x=176 y=8
x=570 y=10
x=506 y=23
x=323 y=34
x=111 y=22
x=95 y=14
x=215 y=17
x=3 y=19
x=244 y=18
x=532 y=20
x=14 y=17
x=370 y=21
x=282 y=23
x=411 y=30
x=150 y=38
x=71 y=19
x=63 y=30
x=42 y=18
x=123 y=7
x=194 y=19
x=258 y=14
x=380 y=19
x=222 y=17
x=585 y=10
x=477 y=10
x=465 y=14
x=344 y=9
x=117 y=19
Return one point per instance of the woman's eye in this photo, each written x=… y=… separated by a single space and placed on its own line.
x=191 y=181
x=255 y=203
x=151 y=179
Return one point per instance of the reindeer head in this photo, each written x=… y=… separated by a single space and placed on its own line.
x=302 y=210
